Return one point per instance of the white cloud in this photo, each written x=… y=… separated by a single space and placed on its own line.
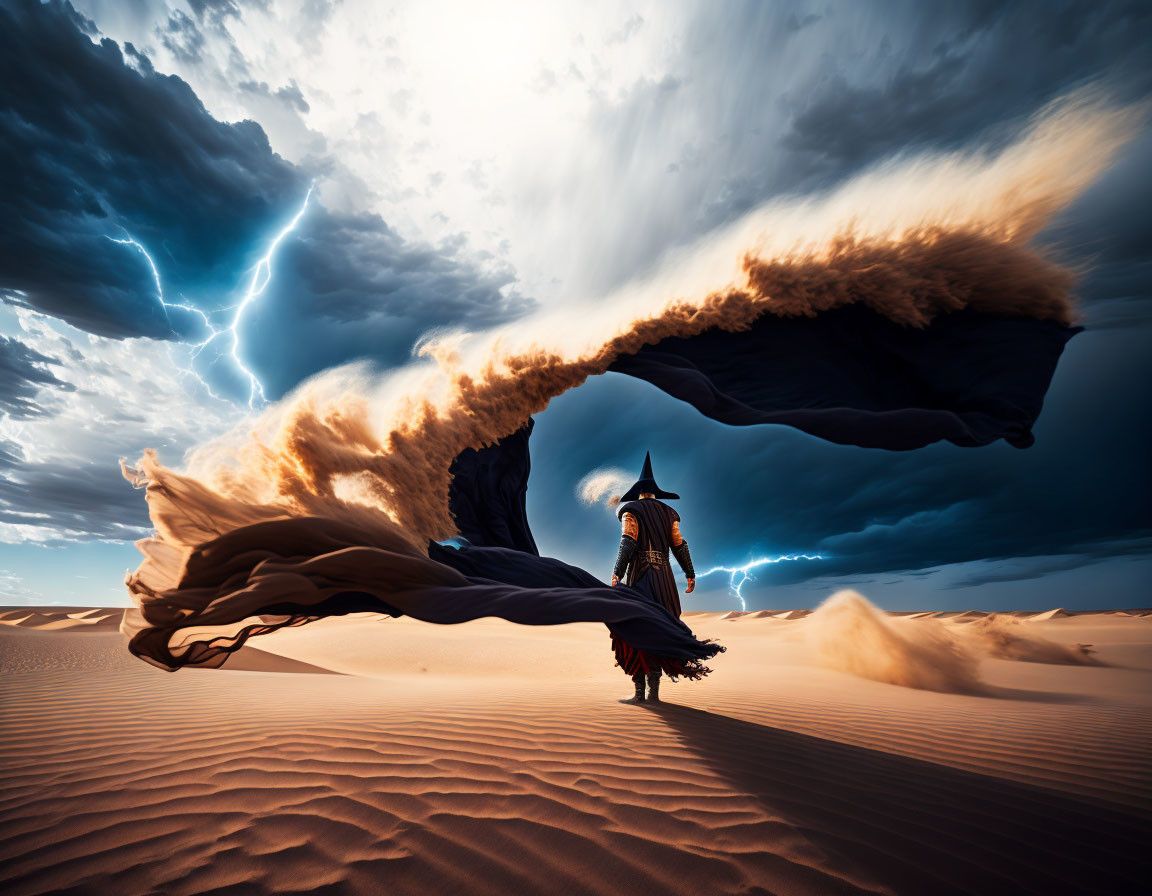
x=124 y=396
x=14 y=591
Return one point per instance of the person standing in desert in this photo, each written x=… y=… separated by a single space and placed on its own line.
x=651 y=529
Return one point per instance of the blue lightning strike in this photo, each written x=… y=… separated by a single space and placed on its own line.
x=745 y=571
x=261 y=277
x=255 y=288
x=164 y=303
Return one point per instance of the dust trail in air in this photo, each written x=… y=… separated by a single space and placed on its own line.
x=1009 y=638
x=912 y=239
x=604 y=485
x=849 y=634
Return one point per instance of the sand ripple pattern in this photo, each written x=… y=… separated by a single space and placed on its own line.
x=252 y=782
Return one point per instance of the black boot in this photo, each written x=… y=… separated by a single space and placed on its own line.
x=638 y=697
x=654 y=686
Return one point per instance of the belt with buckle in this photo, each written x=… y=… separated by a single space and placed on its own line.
x=655 y=558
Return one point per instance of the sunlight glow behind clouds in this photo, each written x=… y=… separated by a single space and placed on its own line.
x=451 y=120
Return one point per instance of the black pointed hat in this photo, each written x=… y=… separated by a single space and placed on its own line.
x=646 y=485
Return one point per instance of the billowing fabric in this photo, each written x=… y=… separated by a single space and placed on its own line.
x=290 y=571
x=851 y=376
x=489 y=489
x=847 y=375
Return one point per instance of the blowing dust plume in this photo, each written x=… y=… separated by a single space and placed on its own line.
x=1009 y=638
x=849 y=634
x=603 y=485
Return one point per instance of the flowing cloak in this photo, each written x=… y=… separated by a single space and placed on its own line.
x=654 y=521
x=848 y=375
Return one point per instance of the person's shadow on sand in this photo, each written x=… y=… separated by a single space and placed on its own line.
x=918 y=827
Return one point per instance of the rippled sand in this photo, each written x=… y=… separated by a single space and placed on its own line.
x=388 y=756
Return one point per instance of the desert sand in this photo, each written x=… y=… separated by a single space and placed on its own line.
x=371 y=755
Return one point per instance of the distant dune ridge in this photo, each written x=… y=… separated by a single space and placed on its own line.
x=63 y=618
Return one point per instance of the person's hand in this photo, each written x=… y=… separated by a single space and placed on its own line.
x=615 y=581
x=691 y=586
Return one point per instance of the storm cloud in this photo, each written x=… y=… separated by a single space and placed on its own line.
x=23 y=371
x=755 y=107
x=72 y=501
x=96 y=145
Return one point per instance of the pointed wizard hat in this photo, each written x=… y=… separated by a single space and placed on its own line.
x=646 y=484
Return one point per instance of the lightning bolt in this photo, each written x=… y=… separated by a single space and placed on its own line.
x=261 y=277
x=746 y=574
x=256 y=287
x=164 y=303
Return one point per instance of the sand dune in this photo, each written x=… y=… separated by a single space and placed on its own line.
x=1058 y=613
x=488 y=758
x=63 y=618
x=968 y=616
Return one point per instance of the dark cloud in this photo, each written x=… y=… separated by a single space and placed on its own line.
x=291 y=96
x=85 y=501
x=355 y=266
x=1024 y=569
x=1120 y=313
x=216 y=10
x=798 y=22
x=23 y=371
x=962 y=69
x=94 y=145
x=348 y=287
x=1108 y=232
x=846 y=126
x=181 y=37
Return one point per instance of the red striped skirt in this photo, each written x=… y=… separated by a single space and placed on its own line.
x=637 y=662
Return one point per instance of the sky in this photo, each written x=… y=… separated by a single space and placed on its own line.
x=453 y=165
